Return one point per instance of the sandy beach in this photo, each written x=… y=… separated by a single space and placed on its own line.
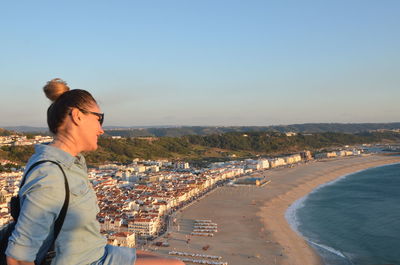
x=252 y=228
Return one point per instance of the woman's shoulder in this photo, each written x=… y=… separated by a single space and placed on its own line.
x=43 y=175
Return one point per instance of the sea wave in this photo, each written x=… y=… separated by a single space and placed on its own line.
x=291 y=214
x=329 y=249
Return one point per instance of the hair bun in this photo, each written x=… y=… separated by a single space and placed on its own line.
x=55 y=88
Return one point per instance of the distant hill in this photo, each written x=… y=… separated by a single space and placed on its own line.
x=4 y=132
x=177 y=131
x=27 y=129
x=208 y=130
x=213 y=147
x=32 y=129
x=217 y=147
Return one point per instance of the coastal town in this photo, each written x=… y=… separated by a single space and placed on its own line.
x=137 y=200
x=230 y=212
x=21 y=140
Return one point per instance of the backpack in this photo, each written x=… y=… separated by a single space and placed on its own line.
x=7 y=230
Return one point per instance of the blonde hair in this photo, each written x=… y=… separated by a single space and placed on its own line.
x=55 y=88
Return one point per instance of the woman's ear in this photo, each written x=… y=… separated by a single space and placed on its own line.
x=76 y=116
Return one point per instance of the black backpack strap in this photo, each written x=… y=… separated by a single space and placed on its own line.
x=61 y=217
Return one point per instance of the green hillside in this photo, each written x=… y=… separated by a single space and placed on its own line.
x=211 y=147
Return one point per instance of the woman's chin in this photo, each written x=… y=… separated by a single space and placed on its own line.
x=94 y=148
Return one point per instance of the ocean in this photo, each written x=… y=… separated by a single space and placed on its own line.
x=354 y=219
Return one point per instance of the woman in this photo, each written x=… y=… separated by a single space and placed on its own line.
x=76 y=121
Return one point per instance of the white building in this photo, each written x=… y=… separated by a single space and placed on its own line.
x=263 y=163
x=292 y=159
x=325 y=155
x=112 y=166
x=182 y=165
x=145 y=227
x=123 y=239
x=276 y=162
x=344 y=153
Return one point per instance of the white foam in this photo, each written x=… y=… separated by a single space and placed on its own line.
x=291 y=214
x=329 y=249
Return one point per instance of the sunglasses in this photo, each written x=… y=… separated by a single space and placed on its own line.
x=99 y=115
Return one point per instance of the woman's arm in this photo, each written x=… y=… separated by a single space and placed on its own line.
x=42 y=199
x=11 y=261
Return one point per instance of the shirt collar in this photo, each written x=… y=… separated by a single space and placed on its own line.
x=56 y=154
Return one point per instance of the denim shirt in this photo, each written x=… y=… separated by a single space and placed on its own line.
x=42 y=197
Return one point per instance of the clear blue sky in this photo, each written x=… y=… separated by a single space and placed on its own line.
x=205 y=62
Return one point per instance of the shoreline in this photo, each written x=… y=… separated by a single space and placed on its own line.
x=252 y=228
x=297 y=250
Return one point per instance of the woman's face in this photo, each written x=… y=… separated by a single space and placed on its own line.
x=91 y=128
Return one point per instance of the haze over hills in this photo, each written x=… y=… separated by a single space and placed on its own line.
x=176 y=131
